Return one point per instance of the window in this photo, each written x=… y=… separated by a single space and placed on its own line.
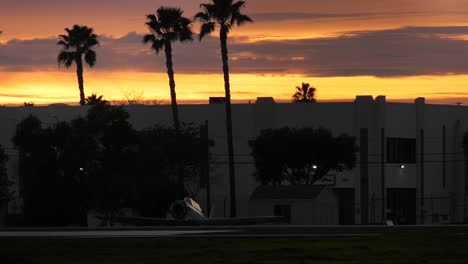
x=401 y=150
x=283 y=210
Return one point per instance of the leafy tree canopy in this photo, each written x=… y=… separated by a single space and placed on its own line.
x=100 y=162
x=300 y=156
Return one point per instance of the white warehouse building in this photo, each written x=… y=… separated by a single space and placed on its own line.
x=409 y=153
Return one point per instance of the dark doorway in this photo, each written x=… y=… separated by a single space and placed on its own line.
x=346 y=205
x=402 y=206
x=283 y=210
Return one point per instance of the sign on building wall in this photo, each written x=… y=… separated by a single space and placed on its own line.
x=338 y=180
x=328 y=180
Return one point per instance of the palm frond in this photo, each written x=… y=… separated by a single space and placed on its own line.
x=210 y=9
x=186 y=35
x=92 y=40
x=206 y=29
x=168 y=24
x=66 y=58
x=237 y=6
x=63 y=43
x=241 y=19
x=90 y=58
x=202 y=16
x=148 y=38
x=157 y=45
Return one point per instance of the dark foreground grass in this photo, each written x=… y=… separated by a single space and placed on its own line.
x=395 y=249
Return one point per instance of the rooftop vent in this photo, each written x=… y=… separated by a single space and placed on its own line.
x=217 y=100
x=265 y=100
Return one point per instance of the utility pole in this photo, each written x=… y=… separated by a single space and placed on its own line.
x=382 y=175
x=205 y=165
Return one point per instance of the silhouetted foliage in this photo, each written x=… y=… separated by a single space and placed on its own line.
x=101 y=163
x=304 y=94
x=79 y=42
x=28 y=103
x=225 y=14
x=5 y=193
x=41 y=179
x=160 y=153
x=465 y=144
x=93 y=99
x=300 y=156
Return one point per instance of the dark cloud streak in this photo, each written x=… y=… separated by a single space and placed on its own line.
x=408 y=51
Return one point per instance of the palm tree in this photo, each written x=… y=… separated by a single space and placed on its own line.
x=93 y=99
x=168 y=26
x=78 y=42
x=225 y=14
x=304 y=94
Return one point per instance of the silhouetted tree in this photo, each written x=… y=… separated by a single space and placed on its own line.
x=5 y=193
x=79 y=42
x=4 y=182
x=41 y=178
x=160 y=152
x=167 y=26
x=110 y=173
x=304 y=94
x=225 y=14
x=93 y=99
x=300 y=156
x=99 y=162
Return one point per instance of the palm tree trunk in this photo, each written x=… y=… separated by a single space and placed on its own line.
x=79 y=73
x=175 y=116
x=227 y=89
x=170 y=74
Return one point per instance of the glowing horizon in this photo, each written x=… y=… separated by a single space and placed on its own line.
x=197 y=88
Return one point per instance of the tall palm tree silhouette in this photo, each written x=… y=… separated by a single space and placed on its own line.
x=225 y=14
x=167 y=26
x=304 y=94
x=79 y=42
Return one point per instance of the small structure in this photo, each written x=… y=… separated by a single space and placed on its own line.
x=300 y=204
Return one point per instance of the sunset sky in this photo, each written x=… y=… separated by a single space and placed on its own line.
x=399 y=48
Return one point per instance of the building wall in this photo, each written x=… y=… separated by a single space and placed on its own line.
x=396 y=119
x=323 y=210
